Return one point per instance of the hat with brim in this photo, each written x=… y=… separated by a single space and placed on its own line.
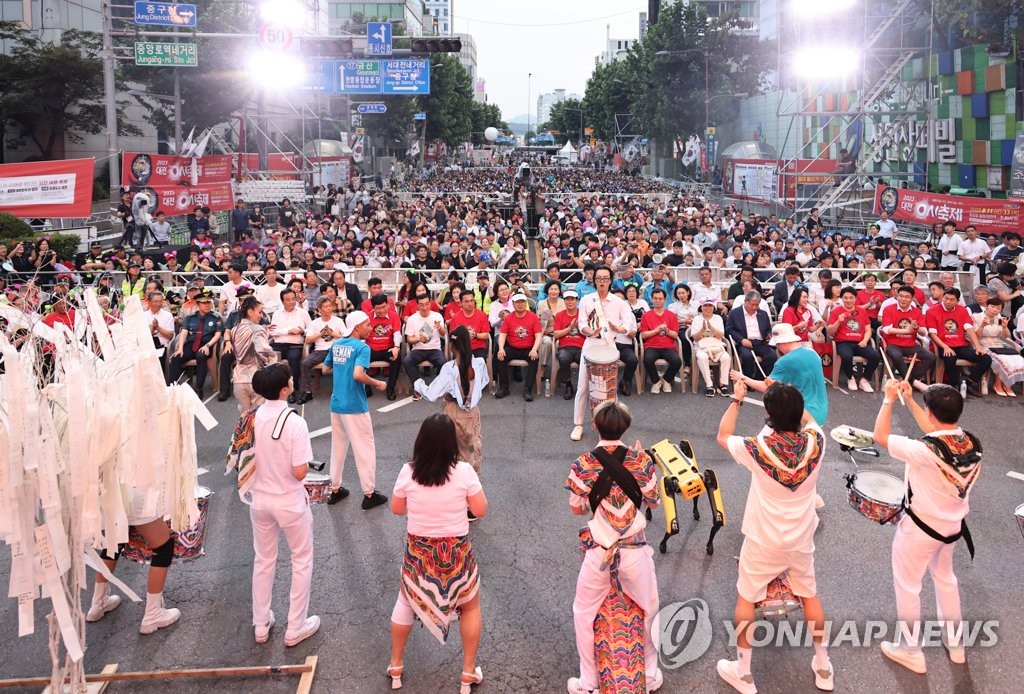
x=518 y=297
x=708 y=302
x=570 y=294
x=783 y=333
x=353 y=321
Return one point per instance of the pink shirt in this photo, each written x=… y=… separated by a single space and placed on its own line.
x=273 y=481
x=438 y=511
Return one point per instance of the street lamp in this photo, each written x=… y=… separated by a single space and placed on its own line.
x=529 y=93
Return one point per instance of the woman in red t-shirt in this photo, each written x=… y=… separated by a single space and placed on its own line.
x=850 y=327
x=801 y=315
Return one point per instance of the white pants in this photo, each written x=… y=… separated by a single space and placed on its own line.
x=356 y=429
x=914 y=553
x=724 y=365
x=636 y=573
x=296 y=522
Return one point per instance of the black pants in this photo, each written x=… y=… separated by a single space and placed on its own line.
x=414 y=357
x=653 y=354
x=982 y=363
x=566 y=356
x=925 y=361
x=227 y=363
x=293 y=355
x=627 y=354
x=749 y=364
x=202 y=366
x=516 y=353
x=393 y=370
x=848 y=350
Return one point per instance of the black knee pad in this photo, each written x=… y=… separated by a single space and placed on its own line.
x=163 y=555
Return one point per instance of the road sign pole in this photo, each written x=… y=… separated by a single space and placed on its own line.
x=110 y=105
x=177 y=108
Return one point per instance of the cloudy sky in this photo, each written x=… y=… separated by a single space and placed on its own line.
x=556 y=40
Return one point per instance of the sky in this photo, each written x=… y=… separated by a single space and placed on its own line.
x=555 y=40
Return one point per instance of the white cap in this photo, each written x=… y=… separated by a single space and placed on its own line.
x=519 y=297
x=782 y=333
x=353 y=321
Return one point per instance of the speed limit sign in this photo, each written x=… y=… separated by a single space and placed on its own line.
x=276 y=37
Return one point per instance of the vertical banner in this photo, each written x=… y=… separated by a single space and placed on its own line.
x=1016 y=189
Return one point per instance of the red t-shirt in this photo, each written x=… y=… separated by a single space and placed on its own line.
x=852 y=324
x=652 y=320
x=382 y=332
x=893 y=317
x=793 y=316
x=949 y=325
x=876 y=297
x=413 y=306
x=919 y=297
x=367 y=308
x=521 y=331
x=574 y=338
x=477 y=323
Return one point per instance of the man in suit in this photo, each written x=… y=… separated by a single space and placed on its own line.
x=782 y=290
x=749 y=328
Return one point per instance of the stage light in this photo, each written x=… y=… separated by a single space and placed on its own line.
x=806 y=9
x=826 y=62
x=278 y=70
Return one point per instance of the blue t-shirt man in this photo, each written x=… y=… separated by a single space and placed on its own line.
x=349 y=396
x=801 y=368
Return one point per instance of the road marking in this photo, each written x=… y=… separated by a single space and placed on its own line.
x=395 y=405
x=1015 y=475
x=212 y=396
x=201 y=471
x=319 y=432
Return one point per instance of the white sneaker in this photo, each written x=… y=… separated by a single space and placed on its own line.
x=913 y=661
x=263 y=632
x=865 y=385
x=654 y=683
x=819 y=503
x=656 y=387
x=727 y=671
x=102 y=603
x=157 y=616
x=851 y=384
x=666 y=387
x=575 y=686
x=309 y=627
x=823 y=679
x=577 y=433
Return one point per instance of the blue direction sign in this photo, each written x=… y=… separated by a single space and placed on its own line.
x=165 y=14
x=419 y=116
x=357 y=76
x=409 y=76
x=375 y=107
x=378 y=38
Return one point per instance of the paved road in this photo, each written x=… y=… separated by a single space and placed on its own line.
x=526 y=549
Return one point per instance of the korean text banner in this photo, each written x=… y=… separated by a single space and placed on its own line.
x=138 y=169
x=989 y=216
x=47 y=188
x=174 y=200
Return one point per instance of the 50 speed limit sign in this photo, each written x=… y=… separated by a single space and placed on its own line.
x=276 y=37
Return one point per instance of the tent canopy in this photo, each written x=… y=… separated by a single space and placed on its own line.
x=326 y=148
x=568 y=148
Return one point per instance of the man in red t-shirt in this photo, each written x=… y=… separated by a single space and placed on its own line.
x=950 y=327
x=385 y=339
x=902 y=322
x=870 y=299
x=475 y=321
x=659 y=330
x=519 y=338
x=374 y=286
x=570 y=341
x=850 y=328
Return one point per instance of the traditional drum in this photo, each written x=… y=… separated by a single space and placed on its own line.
x=1019 y=514
x=188 y=544
x=876 y=495
x=318 y=487
x=602 y=374
x=779 y=600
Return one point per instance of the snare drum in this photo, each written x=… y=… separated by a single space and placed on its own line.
x=877 y=496
x=1019 y=514
x=318 y=487
x=188 y=544
x=602 y=374
x=779 y=600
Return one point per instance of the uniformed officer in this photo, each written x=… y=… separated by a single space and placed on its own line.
x=197 y=340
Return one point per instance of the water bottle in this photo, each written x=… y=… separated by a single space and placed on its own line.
x=963 y=389
x=547 y=387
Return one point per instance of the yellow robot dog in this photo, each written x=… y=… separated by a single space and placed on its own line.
x=680 y=475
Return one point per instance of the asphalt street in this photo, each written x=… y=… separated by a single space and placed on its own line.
x=527 y=551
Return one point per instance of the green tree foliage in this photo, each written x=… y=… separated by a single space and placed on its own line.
x=996 y=23
x=13 y=228
x=449 y=106
x=220 y=85
x=607 y=94
x=52 y=93
x=485 y=116
x=566 y=120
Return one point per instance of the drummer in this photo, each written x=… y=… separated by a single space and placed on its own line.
x=779 y=521
x=941 y=470
x=602 y=316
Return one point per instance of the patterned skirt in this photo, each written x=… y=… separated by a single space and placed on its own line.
x=467 y=431
x=438 y=575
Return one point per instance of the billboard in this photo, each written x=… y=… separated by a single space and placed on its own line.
x=47 y=188
x=139 y=169
x=989 y=216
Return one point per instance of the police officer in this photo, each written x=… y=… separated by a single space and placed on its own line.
x=198 y=337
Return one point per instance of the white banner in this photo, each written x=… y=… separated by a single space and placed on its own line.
x=756 y=181
x=55 y=189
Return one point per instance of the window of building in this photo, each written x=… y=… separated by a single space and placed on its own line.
x=12 y=10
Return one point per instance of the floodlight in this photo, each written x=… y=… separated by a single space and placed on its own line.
x=809 y=9
x=826 y=62
x=280 y=69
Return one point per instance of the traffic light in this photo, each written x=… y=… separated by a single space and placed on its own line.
x=326 y=47
x=446 y=44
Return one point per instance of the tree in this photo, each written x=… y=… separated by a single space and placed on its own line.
x=607 y=93
x=485 y=116
x=566 y=118
x=52 y=93
x=219 y=86
x=450 y=103
x=966 y=22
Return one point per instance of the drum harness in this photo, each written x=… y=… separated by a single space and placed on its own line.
x=971 y=457
x=613 y=469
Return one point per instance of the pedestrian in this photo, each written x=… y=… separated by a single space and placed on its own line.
x=439 y=574
x=941 y=469
x=349 y=359
x=251 y=346
x=459 y=385
x=778 y=523
x=280 y=504
x=614 y=483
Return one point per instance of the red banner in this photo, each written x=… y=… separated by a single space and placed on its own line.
x=281 y=164
x=175 y=200
x=989 y=216
x=47 y=188
x=140 y=170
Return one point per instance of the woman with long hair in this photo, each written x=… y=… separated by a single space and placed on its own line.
x=804 y=318
x=250 y=342
x=459 y=386
x=434 y=490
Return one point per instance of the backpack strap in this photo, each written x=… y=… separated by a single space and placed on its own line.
x=281 y=420
x=613 y=470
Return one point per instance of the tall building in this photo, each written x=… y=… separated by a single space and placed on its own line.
x=438 y=18
x=545 y=102
x=745 y=9
x=614 y=48
x=350 y=16
x=467 y=56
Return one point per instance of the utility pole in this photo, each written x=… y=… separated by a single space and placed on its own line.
x=110 y=102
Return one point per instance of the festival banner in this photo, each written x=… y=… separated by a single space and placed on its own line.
x=47 y=188
x=175 y=200
x=1017 y=170
x=280 y=164
x=989 y=216
x=138 y=169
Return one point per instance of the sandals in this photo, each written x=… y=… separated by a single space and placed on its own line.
x=477 y=677
x=395 y=673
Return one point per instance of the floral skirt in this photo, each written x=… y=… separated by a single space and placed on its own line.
x=438 y=575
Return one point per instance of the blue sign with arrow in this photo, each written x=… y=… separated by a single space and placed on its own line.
x=165 y=14
x=378 y=38
x=372 y=107
x=406 y=76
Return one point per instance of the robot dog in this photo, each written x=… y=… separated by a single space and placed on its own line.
x=680 y=475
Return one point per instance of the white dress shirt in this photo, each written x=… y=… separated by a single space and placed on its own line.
x=616 y=311
x=283 y=321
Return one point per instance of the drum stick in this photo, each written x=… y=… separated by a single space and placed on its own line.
x=888 y=367
x=737 y=352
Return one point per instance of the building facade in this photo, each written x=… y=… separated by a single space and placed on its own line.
x=351 y=17
x=439 y=17
x=545 y=102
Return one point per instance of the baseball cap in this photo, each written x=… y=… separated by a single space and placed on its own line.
x=782 y=333
x=353 y=321
x=570 y=294
x=519 y=297
x=708 y=302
